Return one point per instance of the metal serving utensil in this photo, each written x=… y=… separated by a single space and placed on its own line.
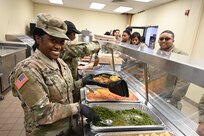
x=107 y=122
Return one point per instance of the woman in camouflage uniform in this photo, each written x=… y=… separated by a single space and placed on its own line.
x=44 y=83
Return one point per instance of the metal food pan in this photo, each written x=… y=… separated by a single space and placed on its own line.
x=123 y=106
x=95 y=72
x=135 y=133
x=93 y=88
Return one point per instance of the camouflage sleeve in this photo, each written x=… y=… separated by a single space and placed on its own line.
x=201 y=109
x=92 y=48
x=78 y=84
x=80 y=50
x=34 y=94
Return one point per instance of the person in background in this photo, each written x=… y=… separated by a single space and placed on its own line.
x=126 y=36
x=107 y=33
x=136 y=40
x=44 y=83
x=200 y=129
x=174 y=88
x=73 y=52
x=116 y=33
x=129 y=28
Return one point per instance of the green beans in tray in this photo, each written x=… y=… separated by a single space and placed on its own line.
x=128 y=117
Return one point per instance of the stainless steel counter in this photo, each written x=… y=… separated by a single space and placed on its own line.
x=173 y=119
x=9 y=57
x=182 y=66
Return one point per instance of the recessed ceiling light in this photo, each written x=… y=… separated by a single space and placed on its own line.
x=56 y=1
x=122 y=9
x=97 y=5
x=143 y=0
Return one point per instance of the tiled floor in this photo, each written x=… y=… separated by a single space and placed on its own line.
x=11 y=115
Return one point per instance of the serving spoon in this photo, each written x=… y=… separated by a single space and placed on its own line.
x=107 y=122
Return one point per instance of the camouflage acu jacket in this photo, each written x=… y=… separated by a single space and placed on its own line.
x=44 y=87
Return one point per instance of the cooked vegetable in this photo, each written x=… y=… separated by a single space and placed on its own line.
x=130 y=117
x=103 y=94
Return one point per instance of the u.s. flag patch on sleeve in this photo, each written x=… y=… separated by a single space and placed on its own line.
x=21 y=80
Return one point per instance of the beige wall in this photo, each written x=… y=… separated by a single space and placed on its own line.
x=97 y=22
x=171 y=16
x=15 y=16
x=188 y=29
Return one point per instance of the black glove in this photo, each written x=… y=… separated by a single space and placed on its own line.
x=119 y=87
x=89 y=113
x=87 y=80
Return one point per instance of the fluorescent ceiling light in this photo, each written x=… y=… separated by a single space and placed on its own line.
x=56 y=1
x=122 y=9
x=143 y=0
x=97 y=5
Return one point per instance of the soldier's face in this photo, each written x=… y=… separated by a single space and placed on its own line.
x=166 y=41
x=50 y=46
x=72 y=36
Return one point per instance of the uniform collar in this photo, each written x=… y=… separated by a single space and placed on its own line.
x=51 y=63
x=170 y=49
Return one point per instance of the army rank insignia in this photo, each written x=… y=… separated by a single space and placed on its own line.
x=21 y=80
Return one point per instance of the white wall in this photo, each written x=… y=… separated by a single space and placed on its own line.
x=171 y=16
x=15 y=16
x=188 y=30
x=97 y=22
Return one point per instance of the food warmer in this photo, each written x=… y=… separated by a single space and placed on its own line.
x=184 y=67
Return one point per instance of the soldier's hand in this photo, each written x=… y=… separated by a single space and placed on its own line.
x=89 y=113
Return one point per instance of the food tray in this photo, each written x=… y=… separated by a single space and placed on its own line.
x=123 y=106
x=136 y=133
x=93 y=88
x=95 y=72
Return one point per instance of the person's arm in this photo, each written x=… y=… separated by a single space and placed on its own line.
x=80 y=50
x=34 y=93
x=200 y=129
x=180 y=90
x=201 y=109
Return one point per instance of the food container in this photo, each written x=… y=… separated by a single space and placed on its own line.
x=113 y=82
x=124 y=106
x=96 y=71
x=95 y=94
x=137 y=133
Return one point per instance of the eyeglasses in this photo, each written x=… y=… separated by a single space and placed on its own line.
x=166 y=38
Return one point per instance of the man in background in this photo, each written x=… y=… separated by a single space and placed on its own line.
x=174 y=89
